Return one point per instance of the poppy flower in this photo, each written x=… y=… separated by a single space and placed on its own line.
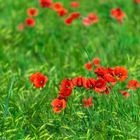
x=66 y=88
x=110 y=79
x=32 y=12
x=45 y=3
x=100 y=71
x=62 y=12
x=21 y=27
x=108 y=89
x=125 y=93
x=68 y=21
x=87 y=102
x=58 y=105
x=96 y=61
x=88 y=66
x=79 y=81
x=38 y=79
x=74 y=4
x=133 y=84
x=30 y=22
x=57 y=6
x=89 y=83
x=121 y=73
x=100 y=85
x=93 y=18
x=75 y=15
x=137 y=1
x=118 y=14
x=86 y=21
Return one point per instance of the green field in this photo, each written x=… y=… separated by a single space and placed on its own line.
x=60 y=51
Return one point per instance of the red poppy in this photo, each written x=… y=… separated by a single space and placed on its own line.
x=66 y=88
x=88 y=66
x=100 y=85
x=118 y=14
x=121 y=73
x=108 y=89
x=75 y=15
x=137 y=1
x=21 y=27
x=86 y=21
x=79 y=81
x=68 y=21
x=45 y=3
x=133 y=84
x=89 y=83
x=109 y=78
x=57 y=6
x=100 y=71
x=39 y=80
x=93 y=18
x=58 y=105
x=125 y=93
x=87 y=102
x=74 y=4
x=32 y=12
x=62 y=12
x=30 y=22
x=96 y=61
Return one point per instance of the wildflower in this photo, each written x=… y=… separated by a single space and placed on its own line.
x=66 y=88
x=30 y=22
x=58 y=105
x=87 y=102
x=39 y=80
x=121 y=73
x=68 y=21
x=89 y=83
x=118 y=14
x=96 y=61
x=137 y=1
x=100 y=85
x=32 y=12
x=45 y=3
x=133 y=84
x=74 y=4
x=21 y=27
x=125 y=93
x=88 y=66
x=110 y=79
x=100 y=71
x=57 y=6
x=62 y=12
x=79 y=81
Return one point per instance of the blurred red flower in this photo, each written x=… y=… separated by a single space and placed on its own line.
x=30 y=22
x=137 y=1
x=110 y=79
x=100 y=71
x=125 y=93
x=62 y=12
x=100 y=85
x=87 y=102
x=68 y=21
x=66 y=88
x=58 y=105
x=21 y=27
x=96 y=61
x=88 y=66
x=45 y=3
x=121 y=73
x=89 y=83
x=118 y=14
x=38 y=79
x=79 y=81
x=32 y=12
x=57 y=6
x=74 y=4
x=133 y=84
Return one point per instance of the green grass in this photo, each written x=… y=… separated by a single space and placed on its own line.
x=58 y=51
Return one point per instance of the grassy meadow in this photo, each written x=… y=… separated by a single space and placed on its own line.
x=60 y=51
